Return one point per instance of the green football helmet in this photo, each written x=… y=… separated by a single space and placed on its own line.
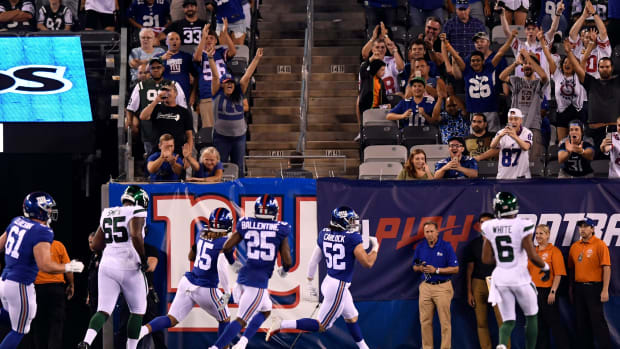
x=136 y=196
x=505 y=204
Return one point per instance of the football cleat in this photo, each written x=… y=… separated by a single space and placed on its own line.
x=276 y=325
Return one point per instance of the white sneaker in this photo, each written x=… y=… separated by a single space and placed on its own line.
x=241 y=344
x=276 y=325
x=357 y=138
x=500 y=346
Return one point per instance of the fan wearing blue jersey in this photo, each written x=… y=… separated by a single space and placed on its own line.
x=416 y=109
x=199 y=286
x=264 y=236
x=208 y=40
x=26 y=243
x=150 y=14
x=340 y=245
x=231 y=11
x=480 y=85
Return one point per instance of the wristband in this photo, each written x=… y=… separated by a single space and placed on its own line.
x=552 y=291
x=437 y=271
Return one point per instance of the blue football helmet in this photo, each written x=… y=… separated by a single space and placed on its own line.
x=41 y=206
x=221 y=220
x=345 y=218
x=266 y=207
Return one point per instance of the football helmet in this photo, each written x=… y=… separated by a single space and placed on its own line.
x=41 y=206
x=136 y=196
x=221 y=220
x=266 y=207
x=505 y=204
x=345 y=218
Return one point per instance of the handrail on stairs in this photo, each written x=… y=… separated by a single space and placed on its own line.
x=305 y=76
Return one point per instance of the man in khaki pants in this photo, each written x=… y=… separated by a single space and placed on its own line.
x=436 y=261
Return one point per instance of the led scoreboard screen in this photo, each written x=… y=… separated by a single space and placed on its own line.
x=44 y=101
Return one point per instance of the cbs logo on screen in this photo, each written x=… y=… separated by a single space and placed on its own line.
x=34 y=80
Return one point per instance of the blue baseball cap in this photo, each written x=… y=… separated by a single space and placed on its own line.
x=462 y=4
x=226 y=77
x=587 y=222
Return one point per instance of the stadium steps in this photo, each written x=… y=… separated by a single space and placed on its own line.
x=331 y=114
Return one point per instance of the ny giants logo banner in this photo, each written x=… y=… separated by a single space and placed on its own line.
x=395 y=211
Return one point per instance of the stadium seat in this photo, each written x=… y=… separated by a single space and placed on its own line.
x=537 y=169
x=380 y=134
x=399 y=34
x=237 y=66
x=433 y=151
x=552 y=153
x=552 y=169
x=243 y=52
x=394 y=99
x=487 y=169
x=379 y=170
x=385 y=153
x=415 y=135
x=413 y=32
x=376 y=117
x=402 y=16
x=231 y=171
x=600 y=167
x=204 y=138
x=615 y=57
x=499 y=37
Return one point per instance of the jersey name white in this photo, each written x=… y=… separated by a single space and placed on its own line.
x=119 y=251
x=505 y=236
x=513 y=161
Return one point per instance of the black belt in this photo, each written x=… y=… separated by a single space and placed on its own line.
x=590 y=283
x=436 y=282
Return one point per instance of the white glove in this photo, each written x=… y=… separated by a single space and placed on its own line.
x=223 y=301
x=374 y=244
x=283 y=273
x=312 y=294
x=74 y=266
x=236 y=266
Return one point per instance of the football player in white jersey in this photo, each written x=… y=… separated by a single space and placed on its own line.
x=513 y=143
x=591 y=44
x=121 y=236
x=611 y=146
x=509 y=240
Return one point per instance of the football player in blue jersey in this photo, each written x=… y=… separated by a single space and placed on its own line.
x=199 y=286
x=264 y=236
x=340 y=245
x=26 y=243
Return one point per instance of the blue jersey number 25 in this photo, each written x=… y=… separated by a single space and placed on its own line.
x=258 y=246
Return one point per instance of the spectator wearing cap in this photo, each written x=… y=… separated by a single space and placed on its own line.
x=548 y=310
x=221 y=55
x=535 y=42
x=435 y=261
x=142 y=54
x=459 y=164
x=611 y=147
x=378 y=11
x=296 y=167
x=190 y=27
x=480 y=90
x=416 y=109
x=462 y=27
x=168 y=117
x=480 y=9
x=482 y=43
x=603 y=106
x=420 y=10
x=478 y=143
x=513 y=143
x=450 y=115
x=527 y=96
x=229 y=130
x=179 y=65
x=154 y=14
x=590 y=271
x=144 y=93
x=575 y=153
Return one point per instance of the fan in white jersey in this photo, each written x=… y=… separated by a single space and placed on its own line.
x=394 y=64
x=513 y=143
x=591 y=44
x=611 y=146
x=121 y=236
x=509 y=240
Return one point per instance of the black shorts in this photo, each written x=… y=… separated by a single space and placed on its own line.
x=569 y=114
x=97 y=20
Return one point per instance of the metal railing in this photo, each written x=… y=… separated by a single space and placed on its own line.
x=125 y=157
x=305 y=76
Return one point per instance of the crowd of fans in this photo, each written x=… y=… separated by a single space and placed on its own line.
x=541 y=95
